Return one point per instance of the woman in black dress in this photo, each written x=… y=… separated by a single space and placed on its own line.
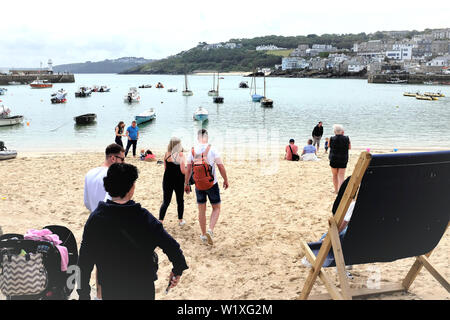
x=119 y=133
x=173 y=180
x=339 y=146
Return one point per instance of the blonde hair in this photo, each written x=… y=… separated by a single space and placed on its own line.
x=174 y=143
x=338 y=128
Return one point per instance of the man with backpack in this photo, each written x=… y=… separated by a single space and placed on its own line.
x=201 y=163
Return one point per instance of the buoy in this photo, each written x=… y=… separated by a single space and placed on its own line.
x=28 y=123
x=395 y=149
x=162 y=102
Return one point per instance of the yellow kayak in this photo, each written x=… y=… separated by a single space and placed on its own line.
x=432 y=94
x=423 y=97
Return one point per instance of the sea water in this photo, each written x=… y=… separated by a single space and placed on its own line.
x=373 y=115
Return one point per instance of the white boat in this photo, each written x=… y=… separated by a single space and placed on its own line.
x=186 y=92
x=265 y=102
x=59 y=96
x=3 y=91
x=83 y=92
x=201 y=114
x=213 y=92
x=14 y=83
x=6 y=119
x=132 y=96
x=172 y=90
x=396 y=80
x=8 y=154
x=40 y=84
x=145 y=116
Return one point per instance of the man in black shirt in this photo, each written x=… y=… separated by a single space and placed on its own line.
x=120 y=238
x=317 y=135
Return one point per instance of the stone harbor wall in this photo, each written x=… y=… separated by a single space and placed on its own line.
x=26 y=79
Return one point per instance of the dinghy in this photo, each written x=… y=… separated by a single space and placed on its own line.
x=201 y=114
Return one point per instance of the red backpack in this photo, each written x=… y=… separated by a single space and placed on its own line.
x=203 y=176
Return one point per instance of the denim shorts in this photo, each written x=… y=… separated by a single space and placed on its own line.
x=213 y=195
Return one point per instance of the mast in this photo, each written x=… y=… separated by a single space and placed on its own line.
x=264 y=86
x=217 y=83
x=185 y=82
x=214 y=80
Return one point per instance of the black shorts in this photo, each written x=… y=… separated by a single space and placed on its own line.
x=338 y=165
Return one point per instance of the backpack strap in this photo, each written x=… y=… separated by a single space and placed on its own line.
x=205 y=154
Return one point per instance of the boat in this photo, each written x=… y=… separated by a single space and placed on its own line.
x=59 y=96
x=14 y=83
x=265 y=102
x=145 y=86
x=432 y=94
x=186 y=92
x=132 y=96
x=3 y=91
x=159 y=85
x=243 y=84
x=397 y=80
x=428 y=82
x=423 y=97
x=83 y=92
x=6 y=119
x=87 y=118
x=145 y=116
x=104 y=89
x=40 y=84
x=213 y=92
x=172 y=90
x=6 y=154
x=410 y=94
x=255 y=97
x=201 y=114
x=218 y=99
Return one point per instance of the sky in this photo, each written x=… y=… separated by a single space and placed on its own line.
x=78 y=31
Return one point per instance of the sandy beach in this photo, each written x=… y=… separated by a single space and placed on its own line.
x=256 y=254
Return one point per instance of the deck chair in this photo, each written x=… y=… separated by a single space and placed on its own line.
x=402 y=210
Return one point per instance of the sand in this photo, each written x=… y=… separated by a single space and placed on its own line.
x=257 y=252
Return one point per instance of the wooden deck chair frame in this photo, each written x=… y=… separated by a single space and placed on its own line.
x=332 y=241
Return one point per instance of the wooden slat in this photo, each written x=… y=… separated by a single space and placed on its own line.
x=365 y=292
x=339 y=260
x=434 y=272
x=349 y=194
x=331 y=288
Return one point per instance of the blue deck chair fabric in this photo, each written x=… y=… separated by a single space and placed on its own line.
x=402 y=209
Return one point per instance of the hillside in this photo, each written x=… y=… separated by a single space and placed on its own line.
x=105 y=66
x=245 y=57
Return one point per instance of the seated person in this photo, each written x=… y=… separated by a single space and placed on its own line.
x=309 y=152
x=292 y=151
x=120 y=238
x=149 y=156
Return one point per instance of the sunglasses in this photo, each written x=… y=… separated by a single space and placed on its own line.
x=123 y=159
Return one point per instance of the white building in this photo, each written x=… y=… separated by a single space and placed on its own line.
x=400 y=52
x=442 y=61
x=288 y=63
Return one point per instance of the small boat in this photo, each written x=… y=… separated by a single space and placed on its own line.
x=201 y=114
x=217 y=98
x=432 y=94
x=243 y=84
x=87 y=118
x=145 y=116
x=3 y=91
x=255 y=97
x=104 y=89
x=423 y=97
x=428 y=82
x=397 y=80
x=186 y=92
x=213 y=92
x=6 y=119
x=132 y=96
x=83 y=92
x=14 y=83
x=6 y=154
x=145 y=86
x=159 y=85
x=265 y=102
x=172 y=90
x=40 y=84
x=410 y=94
x=59 y=96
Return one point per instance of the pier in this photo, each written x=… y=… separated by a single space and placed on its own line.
x=411 y=78
x=26 y=79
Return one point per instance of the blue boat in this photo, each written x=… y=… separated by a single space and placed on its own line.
x=257 y=97
x=3 y=91
x=201 y=114
x=145 y=116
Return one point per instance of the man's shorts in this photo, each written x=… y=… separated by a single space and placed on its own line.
x=213 y=195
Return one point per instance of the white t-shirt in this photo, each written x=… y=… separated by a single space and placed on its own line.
x=213 y=155
x=348 y=214
x=94 y=191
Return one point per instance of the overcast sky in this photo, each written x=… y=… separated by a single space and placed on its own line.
x=77 y=31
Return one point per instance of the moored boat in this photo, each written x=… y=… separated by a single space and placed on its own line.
x=132 y=96
x=3 y=91
x=172 y=90
x=201 y=114
x=213 y=92
x=87 y=118
x=145 y=86
x=159 y=85
x=410 y=94
x=6 y=154
x=59 y=96
x=265 y=102
x=217 y=98
x=40 y=84
x=83 y=92
x=397 y=80
x=6 y=119
x=243 y=84
x=186 y=92
x=423 y=97
x=433 y=94
x=145 y=116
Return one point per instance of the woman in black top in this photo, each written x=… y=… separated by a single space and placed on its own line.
x=119 y=133
x=339 y=146
x=174 y=165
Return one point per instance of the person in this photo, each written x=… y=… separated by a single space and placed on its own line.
x=309 y=152
x=317 y=134
x=291 y=151
x=133 y=136
x=339 y=146
x=119 y=133
x=204 y=151
x=173 y=180
x=94 y=192
x=327 y=143
x=119 y=238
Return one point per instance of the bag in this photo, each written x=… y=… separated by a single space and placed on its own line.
x=295 y=157
x=22 y=274
x=203 y=177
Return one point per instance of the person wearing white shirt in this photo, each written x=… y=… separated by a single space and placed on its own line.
x=213 y=194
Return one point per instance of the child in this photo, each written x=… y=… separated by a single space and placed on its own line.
x=149 y=156
x=327 y=142
x=143 y=154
